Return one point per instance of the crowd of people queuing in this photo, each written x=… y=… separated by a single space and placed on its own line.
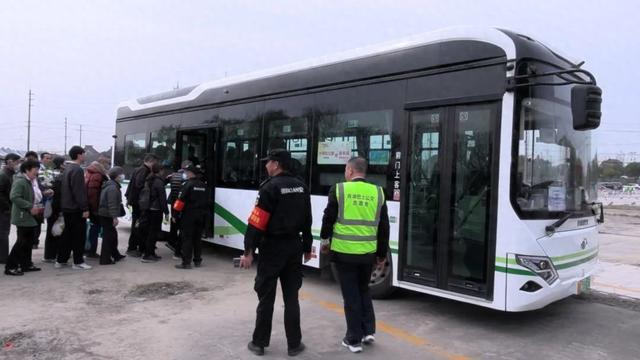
x=355 y=228
x=78 y=204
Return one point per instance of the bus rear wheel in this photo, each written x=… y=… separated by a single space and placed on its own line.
x=380 y=284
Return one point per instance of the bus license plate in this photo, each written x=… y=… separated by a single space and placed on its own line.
x=584 y=285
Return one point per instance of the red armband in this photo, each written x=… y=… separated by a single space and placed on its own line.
x=259 y=218
x=178 y=205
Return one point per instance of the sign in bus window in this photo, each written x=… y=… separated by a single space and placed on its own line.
x=334 y=152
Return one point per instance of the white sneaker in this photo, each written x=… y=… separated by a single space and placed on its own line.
x=58 y=265
x=83 y=266
x=368 y=339
x=353 y=348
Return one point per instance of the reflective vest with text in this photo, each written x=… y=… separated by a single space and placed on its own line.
x=359 y=207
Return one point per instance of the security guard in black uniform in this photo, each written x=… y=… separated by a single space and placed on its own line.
x=192 y=206
x=280 y=227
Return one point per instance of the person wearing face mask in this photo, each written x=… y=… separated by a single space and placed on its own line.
x=23 y=213
x=109 y=210
x=175 y=181
x=12 y=162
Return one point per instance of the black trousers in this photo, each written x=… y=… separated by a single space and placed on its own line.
x=286 y=266
x=50 y=241
x=358 y=308
x=36 y=234
x=191 y=232
x=175 y=239
x=109 y=250
x=5 y=228
x=135 y=242
x=20 y=255
x=73 y=238
x=152 y=231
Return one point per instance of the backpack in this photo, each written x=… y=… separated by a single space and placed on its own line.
x=144 y=198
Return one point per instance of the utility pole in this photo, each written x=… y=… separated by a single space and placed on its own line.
x=80 y=135
x=65 y=136
x=29 y=122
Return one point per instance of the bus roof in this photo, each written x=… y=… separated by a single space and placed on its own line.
x=184 y=97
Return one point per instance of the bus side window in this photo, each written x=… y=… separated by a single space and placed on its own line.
x=240 y=157
x=344 y=135
x=291 y=134
x=135 y=146
x=163 y=145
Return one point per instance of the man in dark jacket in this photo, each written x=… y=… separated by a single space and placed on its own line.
x=355 y=227
x=280 y=226
x=192 y=206
x=75 y=209
x=12 y=162
x=138 y=178
x=52 y=242
x=176 y=180
x=153 y=215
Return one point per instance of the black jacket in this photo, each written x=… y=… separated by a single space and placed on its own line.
x=73 y=190
x=6 y=179
x=110 y=201
x=331 y=216
x=136 y=184
x=286 y=202
x=195 y=196
x=158 y=194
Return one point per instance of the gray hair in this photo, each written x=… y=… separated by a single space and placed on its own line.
x=358 y=164
x=115 y=171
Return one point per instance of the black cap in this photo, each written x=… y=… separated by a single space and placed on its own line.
x=279 y=155
x=196 y=169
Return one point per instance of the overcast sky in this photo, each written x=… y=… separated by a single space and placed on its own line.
x=81 y=58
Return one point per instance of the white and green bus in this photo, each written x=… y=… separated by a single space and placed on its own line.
x=481 y=139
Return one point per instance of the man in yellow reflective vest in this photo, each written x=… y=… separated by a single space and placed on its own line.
x=355 y=230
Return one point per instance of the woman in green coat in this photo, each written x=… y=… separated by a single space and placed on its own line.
x=23 y=212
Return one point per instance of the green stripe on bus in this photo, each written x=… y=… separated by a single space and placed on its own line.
x=590 y=253
x=225 y=230
x=577 y=262
x=230 y=218
x=574 y=255
x=236 y=223
x=514 y=271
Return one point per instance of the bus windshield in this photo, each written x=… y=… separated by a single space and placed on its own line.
x=556 y=166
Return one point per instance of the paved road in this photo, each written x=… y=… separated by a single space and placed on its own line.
x=152 y=311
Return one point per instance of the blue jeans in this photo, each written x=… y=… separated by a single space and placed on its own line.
x=94 y=231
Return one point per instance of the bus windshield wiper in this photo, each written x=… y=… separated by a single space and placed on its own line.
x=551 y=229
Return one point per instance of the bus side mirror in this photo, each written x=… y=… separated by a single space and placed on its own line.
x=585 y=106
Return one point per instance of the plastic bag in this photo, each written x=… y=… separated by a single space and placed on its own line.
x=58 y=226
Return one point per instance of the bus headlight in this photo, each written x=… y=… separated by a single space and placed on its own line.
x=541 y=265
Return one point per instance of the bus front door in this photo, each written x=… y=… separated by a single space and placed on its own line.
x=447 y=241
x=199 y=146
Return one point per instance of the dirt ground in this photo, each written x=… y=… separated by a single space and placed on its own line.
x=133 y=310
